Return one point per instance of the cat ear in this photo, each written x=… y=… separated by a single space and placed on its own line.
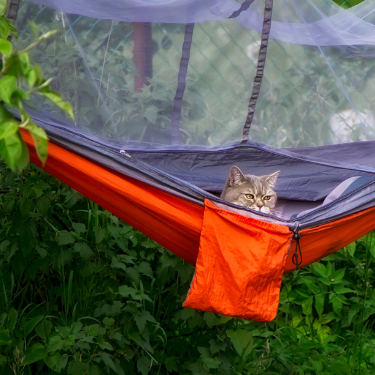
x=271 y=178
x=235 y=176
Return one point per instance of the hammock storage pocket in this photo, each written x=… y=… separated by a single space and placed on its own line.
x=240 y=265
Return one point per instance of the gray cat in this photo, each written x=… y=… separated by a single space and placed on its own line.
x=254 y=192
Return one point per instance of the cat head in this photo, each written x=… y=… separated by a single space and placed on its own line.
x=254 y=192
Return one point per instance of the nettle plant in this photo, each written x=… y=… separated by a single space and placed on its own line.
x=19 y=79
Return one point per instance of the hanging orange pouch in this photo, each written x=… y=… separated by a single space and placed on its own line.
x=240 y=265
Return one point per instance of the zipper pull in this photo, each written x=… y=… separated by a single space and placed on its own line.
x=297 y=260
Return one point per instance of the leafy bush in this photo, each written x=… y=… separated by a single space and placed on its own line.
x=19 y=80
x=81 y=292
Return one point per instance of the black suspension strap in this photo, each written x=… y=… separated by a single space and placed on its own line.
x=297 y=256
x=12 y=13
x=185 y=56
x=260 y=69
x=244 y=6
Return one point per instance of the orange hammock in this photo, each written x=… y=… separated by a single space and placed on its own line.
x=240 y=259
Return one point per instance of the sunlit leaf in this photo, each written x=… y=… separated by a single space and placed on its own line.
x=3 y=7
x=8 y=128
x=40 y=140
x=351 y=248
x=6 y=48
x=56 y=99
x=7 y=85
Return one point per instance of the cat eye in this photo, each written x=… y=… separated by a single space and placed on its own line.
x=249 y=196
x=267 y=198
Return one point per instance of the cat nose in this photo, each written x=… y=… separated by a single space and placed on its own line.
x=260 y=205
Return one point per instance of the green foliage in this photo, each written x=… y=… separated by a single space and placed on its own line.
x=19 y=79
x=81 y=292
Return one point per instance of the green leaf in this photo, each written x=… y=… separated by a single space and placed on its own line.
x=372 y=245
x=4 y=28
x=3 y=360
x=351 y=248
x=108 y=322
x=23 y=160
x=31 y=77
x=340 y=289
x=76 y=327
x=338 y=275
x=125 y=290
x=312 y=286
x=14 y=66
x=143 y=365
x=26 y=205
x=171 y=364
x=106 y=358
x=56 y=362
x=65 y=237
x=5 y=340
x=106 y=345
x=351 y=314
x=34 y=354
x=151 y=113
x=8 y=128
x=11 y=150
x=320 y=270
x=6 y=48
x=55 y=343
x=145 y=268
x=77 y=368
x=307 y=306
x=12 y=28
x=323 y=332
x=99 y=234
x=92 y=330
x=79 y=227
x=211 y=363
x=43 y=329
x=3 y=7
x=242 y=341
x=94 y=370
x=209 y=318
x=319 y=303
x=84 y=250
x=336 y=304
x=43 y=204
x=40 y=140
x=5 y=115
x=56 y=99
x=12 y=319
x=7 y=84
x=325 y=281
x=32 y=323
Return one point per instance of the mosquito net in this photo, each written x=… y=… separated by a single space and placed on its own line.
x=178 y=74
